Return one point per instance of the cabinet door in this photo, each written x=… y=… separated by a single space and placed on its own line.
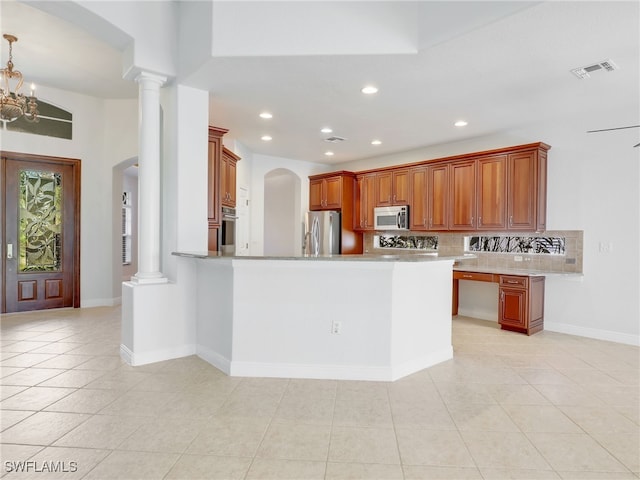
x=463 y=196
x=492 y=193
x=400 y=187
x=316 y=201
x=231 y=183
x=366 y=185
x=438 y=197
x=418 y=198
x=333 y=192
x=213 y=187
x=513 y=307
x=224 y=181
x=384 y=189
x=522 y=191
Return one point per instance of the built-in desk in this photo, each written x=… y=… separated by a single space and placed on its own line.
x=521 y=298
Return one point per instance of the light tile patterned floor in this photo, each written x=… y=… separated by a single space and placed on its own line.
x=548 y=406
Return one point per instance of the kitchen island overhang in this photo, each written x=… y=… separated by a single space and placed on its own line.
x=336 y=317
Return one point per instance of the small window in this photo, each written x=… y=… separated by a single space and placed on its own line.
x=126 y=228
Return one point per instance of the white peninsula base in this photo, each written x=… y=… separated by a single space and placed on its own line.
x=322 y=318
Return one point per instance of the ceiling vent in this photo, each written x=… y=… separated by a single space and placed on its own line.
x=334 y=139
x=584 y=72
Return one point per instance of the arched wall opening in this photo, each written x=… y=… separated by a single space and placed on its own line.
x=282 y=213
x=125 y=222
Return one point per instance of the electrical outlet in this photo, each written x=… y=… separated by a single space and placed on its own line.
x=605 y=247
x=517 y=258
x=336 y=327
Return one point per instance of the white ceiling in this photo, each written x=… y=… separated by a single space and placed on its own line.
x=499 y=65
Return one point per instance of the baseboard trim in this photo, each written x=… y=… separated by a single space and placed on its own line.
x=221 y=363
x=137 y=359
x=595 y=333
x=101 y=302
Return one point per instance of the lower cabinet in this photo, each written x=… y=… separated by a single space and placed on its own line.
x=521 y=307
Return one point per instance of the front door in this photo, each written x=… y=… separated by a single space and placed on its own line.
x=41 y=228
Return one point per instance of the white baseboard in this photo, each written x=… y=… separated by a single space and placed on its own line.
x=596 y=333
x=137 y=359
x=100 y=302
x=413 y=366
x=221 y=363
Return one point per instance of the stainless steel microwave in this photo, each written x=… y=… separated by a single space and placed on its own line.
x=391 y=218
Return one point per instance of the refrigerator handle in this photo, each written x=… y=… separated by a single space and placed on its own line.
x=331 y=226
x=315 y=236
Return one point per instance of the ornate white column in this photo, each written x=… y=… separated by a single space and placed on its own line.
x=149 y=179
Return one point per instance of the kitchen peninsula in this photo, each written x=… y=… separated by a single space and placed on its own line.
x=355 y=317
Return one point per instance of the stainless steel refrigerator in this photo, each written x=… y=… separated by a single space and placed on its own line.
x=322 y=233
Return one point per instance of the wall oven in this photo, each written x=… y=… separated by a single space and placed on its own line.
x=391 y=218
x=227 y=232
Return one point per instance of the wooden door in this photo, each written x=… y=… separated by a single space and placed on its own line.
x=418 y=198
x=522 y=199
x=333 y=193
x=513 y=307
x=384 y=189
x=401 y=187
x=492 y=193
x=438 y=197
x=41 y=232
x=463 y=196
x=315 y=195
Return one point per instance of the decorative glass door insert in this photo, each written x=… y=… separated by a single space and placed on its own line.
x=40 y=221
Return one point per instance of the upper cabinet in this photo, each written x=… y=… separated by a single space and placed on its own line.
x=498 y=190
x=492 y=192
x=228 y=167
x=365 y=201
x=527 y=190
x=437 y=196
x=392 y=187
x=325 y=193
x=462 y=195
x=213 y=180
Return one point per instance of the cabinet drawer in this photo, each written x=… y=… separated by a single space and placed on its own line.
x=511 y=281
x=478 y=277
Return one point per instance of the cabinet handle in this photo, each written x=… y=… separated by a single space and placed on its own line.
x=430 y=222
x=479 y=221
x=472 y=219
x=467 y=276
x=512 y=281
x=511 y=220
x=394 y=199
x=502 y=297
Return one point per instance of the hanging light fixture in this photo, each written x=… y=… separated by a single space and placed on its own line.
x=13 y=104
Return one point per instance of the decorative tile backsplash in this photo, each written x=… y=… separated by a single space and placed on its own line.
x=416 y=242
x=552 y=251
x=500 y=244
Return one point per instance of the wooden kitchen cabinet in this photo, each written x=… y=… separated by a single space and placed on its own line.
x=365 y=201
x=228 y=168
x=325 y=193
x=418 y=204
x=492 y=193
x=438 y=196
x=521 y=307
x=392 y=187
x=527 y=190
x=462 y=195
x=213 y=184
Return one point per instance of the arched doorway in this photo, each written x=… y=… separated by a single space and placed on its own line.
x=125 y=223
x=282 y=213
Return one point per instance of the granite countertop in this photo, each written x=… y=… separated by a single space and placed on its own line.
x=513 y=271
x=367 y=257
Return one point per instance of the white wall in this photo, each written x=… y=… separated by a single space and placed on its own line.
x=592 y=186
x=281 y=207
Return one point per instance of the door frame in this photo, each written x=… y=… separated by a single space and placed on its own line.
x=27 y=157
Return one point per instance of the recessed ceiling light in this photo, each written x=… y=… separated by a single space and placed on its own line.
x=376 y=142
x=329 y=153
x=326 y=130
x=369 y=90
x=266 y=138
x=266 y=115
x=461 y=123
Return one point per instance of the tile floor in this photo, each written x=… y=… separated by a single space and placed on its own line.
x=507 y=406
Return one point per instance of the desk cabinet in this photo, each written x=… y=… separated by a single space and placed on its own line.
x=521 y=299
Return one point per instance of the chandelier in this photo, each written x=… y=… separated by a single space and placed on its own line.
x=13 y=104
